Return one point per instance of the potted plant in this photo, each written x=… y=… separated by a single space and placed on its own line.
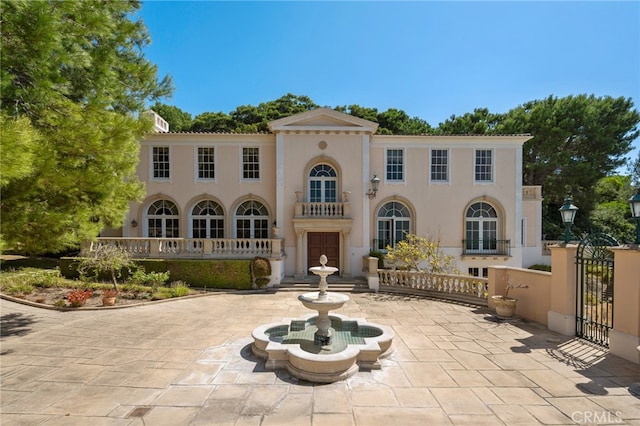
x=505 y=306
x=109 y=297
x=78 y=297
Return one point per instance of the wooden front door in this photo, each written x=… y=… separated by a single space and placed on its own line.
x=319 y=243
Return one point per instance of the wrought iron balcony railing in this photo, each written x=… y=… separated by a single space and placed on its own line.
x=486 y=247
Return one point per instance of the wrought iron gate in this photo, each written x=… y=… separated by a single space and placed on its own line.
x=594 y=298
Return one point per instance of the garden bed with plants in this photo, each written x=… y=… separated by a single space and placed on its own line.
x=40 y=281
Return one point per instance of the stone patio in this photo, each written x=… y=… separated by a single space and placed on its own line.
x=188 y=362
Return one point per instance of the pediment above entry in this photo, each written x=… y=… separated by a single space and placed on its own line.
x=323 y=120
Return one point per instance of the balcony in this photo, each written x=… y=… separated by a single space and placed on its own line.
x=191 y=248
x=320 y=210
x=486 y=247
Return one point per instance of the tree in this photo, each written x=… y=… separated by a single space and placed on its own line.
x=634 y=170
x=107 y=259
x=577 y=140
x=421 y=254
x=76 y=72
x=479 y=122
x=179 y=120
x=398 y=122
x=213 y=122
x=611 y=213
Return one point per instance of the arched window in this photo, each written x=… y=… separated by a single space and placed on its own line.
x=481 y=228
x=252 y=220
x=163 y=220
x=394 y=223
x=207 y=220
x=323 y=184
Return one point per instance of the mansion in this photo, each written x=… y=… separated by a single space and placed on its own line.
x=323 y=182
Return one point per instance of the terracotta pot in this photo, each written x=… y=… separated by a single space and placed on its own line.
x=505 y=308
x=108 y=301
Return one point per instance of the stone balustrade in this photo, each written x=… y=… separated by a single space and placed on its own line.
x=192 y=247
x=456 y=287
x=323 y=210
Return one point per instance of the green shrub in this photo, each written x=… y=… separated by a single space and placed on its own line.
x=260 y=268
x=540 y=267
x=179 y=289
x=18 y=289
x=152 y=279
x=219 y=273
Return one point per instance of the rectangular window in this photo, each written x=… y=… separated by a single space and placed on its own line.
x=251 y=163
x=395 y=165
x=439 y=165
x=206 y=163
x=160 y=162
x=475 y=272
x=484 y=165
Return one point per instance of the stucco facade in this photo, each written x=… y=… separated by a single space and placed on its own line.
x=308 y=184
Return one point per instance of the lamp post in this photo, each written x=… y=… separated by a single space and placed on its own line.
x=634 y=203
x=568 y=213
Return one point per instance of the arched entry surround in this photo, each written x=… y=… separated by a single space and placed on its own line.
x=303 y=225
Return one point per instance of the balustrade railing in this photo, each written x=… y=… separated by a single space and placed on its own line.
x=322 y=210
x=457 y=287
x=486 y=247
x=191 y=247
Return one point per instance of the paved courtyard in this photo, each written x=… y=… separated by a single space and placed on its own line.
x=188 y=362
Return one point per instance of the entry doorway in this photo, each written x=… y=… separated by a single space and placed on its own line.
x=319 y=243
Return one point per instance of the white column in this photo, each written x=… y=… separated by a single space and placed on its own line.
x=299 y=251
x=280 y=189
x=366 y=177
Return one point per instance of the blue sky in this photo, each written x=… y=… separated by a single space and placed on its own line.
x=430 y=59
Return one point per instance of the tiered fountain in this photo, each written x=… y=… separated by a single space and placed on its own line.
x=322 y=347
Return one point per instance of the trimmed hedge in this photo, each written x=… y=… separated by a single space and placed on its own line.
x=540 y=267
x=219 y=273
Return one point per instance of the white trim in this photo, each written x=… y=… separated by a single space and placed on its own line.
x=280 y=181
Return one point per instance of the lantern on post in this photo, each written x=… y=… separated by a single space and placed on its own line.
x=568 y=213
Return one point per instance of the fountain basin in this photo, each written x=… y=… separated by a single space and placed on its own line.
x=325 y=303
x=290 y=345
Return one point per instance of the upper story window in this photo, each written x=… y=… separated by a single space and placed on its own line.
x=483 y=165
x=439 y=165
x=160 y=162
x=251 y=163
x=206 y=163
x=395 y=165
x=323 y=184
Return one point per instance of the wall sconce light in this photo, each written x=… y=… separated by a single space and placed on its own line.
x=134 y=223
x=568 y=213
x=375 y=182
x=634 y=203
